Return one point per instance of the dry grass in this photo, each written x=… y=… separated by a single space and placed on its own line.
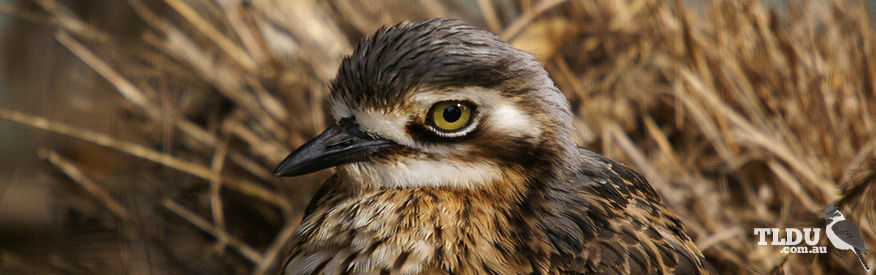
x=740 y=115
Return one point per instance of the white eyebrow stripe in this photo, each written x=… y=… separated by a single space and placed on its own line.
x=476 y=95
x=340 y=110
x=510 y=120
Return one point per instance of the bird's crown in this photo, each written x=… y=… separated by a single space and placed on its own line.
x=393 y=61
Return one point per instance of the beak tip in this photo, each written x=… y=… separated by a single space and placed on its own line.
x=290 y=169
x=282 y=172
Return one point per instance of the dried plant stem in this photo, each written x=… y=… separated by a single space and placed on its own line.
x=245 y=29
x=745 y=132
x=232 y=50
x=271 y=104
x=223 y=77
x=660 y=138
x=75 y=174
x=638 y=160
x=717 y=237
x=701 y=118
x=143 y=152
x=239 y=245
x=128 y=90
x=133 y=94
x=854 y=190
x=215 y=192
x=436 y=8
x=489 y=13
x=125 y=88
x=794 y=185
x=12 y=10
x=542 y=6
x=271 y=150
x=272 y=254
x=251 y=166
x=67 y=20
x=176 y=44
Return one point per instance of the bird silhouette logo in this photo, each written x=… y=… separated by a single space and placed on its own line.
x=843 y=234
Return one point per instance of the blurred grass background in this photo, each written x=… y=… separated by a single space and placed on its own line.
x=138 y=135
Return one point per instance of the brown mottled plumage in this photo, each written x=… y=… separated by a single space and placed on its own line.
x=507 y=193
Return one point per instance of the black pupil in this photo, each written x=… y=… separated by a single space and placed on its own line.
x=452 y=113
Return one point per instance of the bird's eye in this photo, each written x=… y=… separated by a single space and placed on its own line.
x=449 y=116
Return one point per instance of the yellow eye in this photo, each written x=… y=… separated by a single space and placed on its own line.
x=450 y=115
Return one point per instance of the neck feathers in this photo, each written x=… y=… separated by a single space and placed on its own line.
x=447 y=228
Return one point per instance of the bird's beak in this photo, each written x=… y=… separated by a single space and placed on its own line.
x=340 y=144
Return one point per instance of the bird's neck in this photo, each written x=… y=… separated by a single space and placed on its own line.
x=443 y=223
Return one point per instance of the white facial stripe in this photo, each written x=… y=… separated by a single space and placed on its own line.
x=389 y=126
x=422 y=173
x=340 y=110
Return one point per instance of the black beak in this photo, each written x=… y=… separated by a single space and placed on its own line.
x=340 y=144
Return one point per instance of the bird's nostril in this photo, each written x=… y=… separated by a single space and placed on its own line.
x=342 y=143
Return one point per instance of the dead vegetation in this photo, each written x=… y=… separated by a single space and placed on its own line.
x=740 y=114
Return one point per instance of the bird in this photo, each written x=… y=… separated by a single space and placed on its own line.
x=843 y=234
x=454 y=152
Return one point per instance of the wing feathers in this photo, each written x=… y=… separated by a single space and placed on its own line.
x=847 y=232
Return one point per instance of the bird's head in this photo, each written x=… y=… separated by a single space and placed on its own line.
x=831 y=212
x=439 y=103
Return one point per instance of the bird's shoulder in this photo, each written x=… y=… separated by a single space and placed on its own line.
x=617 y=180
x=608 y=219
